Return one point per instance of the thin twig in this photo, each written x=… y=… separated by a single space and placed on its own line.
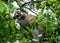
x=31 y=10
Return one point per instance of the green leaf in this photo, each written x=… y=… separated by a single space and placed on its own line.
x=6 y=9
x=1 y=8
x=12 y=10
x=52 y=14
x=12 y=23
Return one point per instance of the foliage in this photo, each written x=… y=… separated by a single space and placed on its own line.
x=49 y=21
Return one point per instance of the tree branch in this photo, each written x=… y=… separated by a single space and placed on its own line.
x=31 y=10
x=27 y=3
x=30 y=2
x=23 y=5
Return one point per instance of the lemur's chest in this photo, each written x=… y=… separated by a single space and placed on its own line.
x=31 y=18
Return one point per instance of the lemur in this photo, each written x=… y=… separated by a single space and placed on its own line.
x=28 y=19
